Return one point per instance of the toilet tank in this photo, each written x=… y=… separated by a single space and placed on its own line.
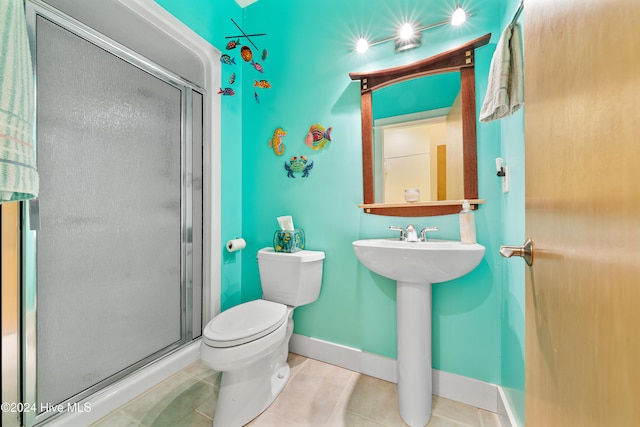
x=293 y=279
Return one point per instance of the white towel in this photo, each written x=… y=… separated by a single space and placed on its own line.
x=505 y=92
x=18 y=174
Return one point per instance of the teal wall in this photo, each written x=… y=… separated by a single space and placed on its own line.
x=477 y=320
x=513 y=271
x=310 y=57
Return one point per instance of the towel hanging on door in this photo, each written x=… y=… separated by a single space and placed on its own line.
x=505 y=91
x=18 y=173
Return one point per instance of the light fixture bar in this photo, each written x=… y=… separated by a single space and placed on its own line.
x=377 y=42
x=402 y=44
x=437 y=24
x=418 y=31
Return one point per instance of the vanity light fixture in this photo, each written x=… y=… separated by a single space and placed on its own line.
x=362 y=46
x=458 y=17
x=406 y=32
x=409 y=37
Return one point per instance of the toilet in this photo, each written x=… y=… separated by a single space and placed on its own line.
x=249 y=343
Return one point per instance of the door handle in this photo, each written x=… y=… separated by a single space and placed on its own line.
x=525 y=251
x=34 y=214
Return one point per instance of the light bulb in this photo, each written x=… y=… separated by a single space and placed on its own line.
x=362 y=46
x=406 y=32
x=458 y=17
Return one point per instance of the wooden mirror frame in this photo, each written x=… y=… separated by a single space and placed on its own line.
x=458 y=59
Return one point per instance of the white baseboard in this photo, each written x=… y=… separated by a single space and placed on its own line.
x=507 y=418
x=345 y=357
x=469 y=391
x=111 y=398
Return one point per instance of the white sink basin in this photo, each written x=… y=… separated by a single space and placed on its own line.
x=415 y=266
x=418 y=262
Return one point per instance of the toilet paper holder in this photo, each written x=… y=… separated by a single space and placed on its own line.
x=236 y=244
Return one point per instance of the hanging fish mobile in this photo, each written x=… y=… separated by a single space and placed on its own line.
x=247 y=55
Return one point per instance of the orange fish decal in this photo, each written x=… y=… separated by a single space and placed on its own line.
x=262 y=84
x=246 y=54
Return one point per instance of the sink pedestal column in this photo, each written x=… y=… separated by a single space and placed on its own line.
x=413 y=301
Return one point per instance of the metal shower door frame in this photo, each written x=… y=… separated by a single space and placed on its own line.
x=189 y=254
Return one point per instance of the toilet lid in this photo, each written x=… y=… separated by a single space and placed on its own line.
x=245 y=322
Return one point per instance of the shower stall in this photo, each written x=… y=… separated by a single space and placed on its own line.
x=116 y=265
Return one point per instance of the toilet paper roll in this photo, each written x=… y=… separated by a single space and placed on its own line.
x=236 y=244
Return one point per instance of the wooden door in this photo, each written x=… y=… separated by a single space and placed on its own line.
x=582 y=137
x=10 y=277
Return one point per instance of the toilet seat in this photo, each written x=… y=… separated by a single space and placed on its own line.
x=244 y=323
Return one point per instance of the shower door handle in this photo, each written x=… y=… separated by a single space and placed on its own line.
x=525 y=251
x=34 y=214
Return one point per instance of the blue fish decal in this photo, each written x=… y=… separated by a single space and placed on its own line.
x=226 y=59
x=226 y=91
x=255 y=94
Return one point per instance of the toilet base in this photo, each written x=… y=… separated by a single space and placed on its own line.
x=245 y=393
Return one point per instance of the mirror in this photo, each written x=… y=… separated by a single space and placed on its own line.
x=445 y=168
x=417 y=139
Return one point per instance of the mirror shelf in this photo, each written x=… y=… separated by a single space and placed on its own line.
x=442 y=207
x=460 y=59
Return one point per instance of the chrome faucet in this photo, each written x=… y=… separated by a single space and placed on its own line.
x=403 y=234
x=423 y=233
x=411 y=235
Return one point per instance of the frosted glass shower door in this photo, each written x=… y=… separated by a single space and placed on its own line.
x=111 y=243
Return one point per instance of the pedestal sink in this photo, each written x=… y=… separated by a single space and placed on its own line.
x=415 y=266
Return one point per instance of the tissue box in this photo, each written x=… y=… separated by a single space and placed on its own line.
x=288 y=240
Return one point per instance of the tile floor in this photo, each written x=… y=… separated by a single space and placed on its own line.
x=318 y=394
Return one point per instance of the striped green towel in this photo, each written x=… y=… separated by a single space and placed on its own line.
x=505 y=91
x=18 y=173
x=516 y=84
